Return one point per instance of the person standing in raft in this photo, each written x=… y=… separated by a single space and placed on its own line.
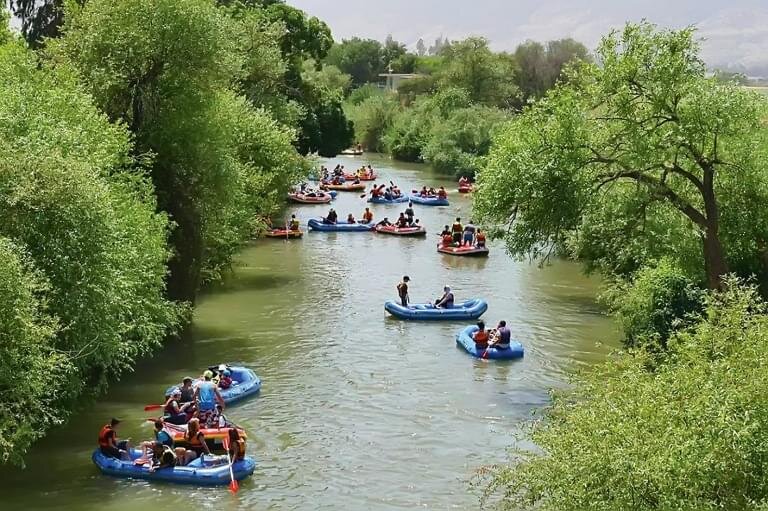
x=456 y=230
x=332 y=217
x=110 y=445
x=480 y=337
x=367 y=216
x=206 y=396
x=445 y=301
x=469 y=234
x=187 y=391
x=402 y=291
x=409 y=213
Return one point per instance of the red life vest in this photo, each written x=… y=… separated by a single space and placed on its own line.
x=481 y=339
x=104 y=436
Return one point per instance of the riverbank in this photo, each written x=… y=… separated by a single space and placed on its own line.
x=357 y=411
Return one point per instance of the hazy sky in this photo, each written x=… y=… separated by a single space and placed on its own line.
x=735 y=32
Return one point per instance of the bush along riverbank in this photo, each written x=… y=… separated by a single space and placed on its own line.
x=142 y=143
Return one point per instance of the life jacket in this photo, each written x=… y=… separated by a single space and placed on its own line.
x=169 y=410
x=457 y=228
x=368 y=217
x=103 y=436
x=442 y=194
x=239 y=449
x=195 y=444
x=225 y=382
x=481 y=338
x=447 y=239
x=480 y=237
x=402 y=288
x=294 y=225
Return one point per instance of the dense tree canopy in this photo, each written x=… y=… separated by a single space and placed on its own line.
x=541 y=65
x=83 y=250
x=643 y=145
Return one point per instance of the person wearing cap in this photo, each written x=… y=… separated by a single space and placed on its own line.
x=110 y=445
x=176 y=413
x=445 y=301
x=402 y=290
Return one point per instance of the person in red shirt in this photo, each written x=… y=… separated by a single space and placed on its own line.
x=481 y=336
x=368 y=216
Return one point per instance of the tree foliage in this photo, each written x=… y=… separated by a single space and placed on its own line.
x=645 y=132
x=542 y=65
x=688 y=435
x=83 y=250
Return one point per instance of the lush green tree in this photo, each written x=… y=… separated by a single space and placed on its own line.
x=405 y=63
x=541 y=66
x=459 y=143
x=84 y=251
x=362 y=59
x=372 y=118
x=326 y=76
x=688 y=435
x=472 y=66
x=646 y=130
x=421 y=48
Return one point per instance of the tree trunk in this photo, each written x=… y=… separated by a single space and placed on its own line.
x=714 y=256
x=714 y=259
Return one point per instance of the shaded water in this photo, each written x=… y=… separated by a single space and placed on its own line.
x=357 y=410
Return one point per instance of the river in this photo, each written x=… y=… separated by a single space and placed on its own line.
x=357 y=410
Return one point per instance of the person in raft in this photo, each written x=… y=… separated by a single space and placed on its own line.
x=110 y=445
x=441 y=193
x=162 y=438
x=294 y=223
x=187 y=390
x=402 y=221
x=463 y=182
x=402 y=290
x=206 y=396
x=351 y=219
x=367 y=216
x=480 y=337
x=332 y=217
x=447 y=239
x=176 y=413
x=384 y=223
x=409 y=213
x=445 y=301
x=236 y=449
x=446 y=232
x=225 y=378
x=480 y=239
x=196 y=441
x=456 y=230
x=501 y=338
x=469 y=234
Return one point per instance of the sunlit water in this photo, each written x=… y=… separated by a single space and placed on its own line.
x=358 y=410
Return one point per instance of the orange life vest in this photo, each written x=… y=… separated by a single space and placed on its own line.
x=103 y=440
x=447 y=239
x=368 y=217
x=194 y=441
x=457 y=228
x=480 y=237
x=481 y=338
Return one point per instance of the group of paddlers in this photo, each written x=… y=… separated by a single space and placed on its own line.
x=459 y=235
x=385 y=192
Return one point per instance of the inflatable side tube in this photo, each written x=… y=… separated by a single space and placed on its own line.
x=428 y=201
x=318 y=225
x=382 y=200
x=471 y=309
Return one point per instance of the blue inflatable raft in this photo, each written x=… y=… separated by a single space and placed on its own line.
x=318 y=225
x=428 y=201
x=382 y=200
x=471 y=309
x=205 y=471
x=245 y=384
x=464 y=339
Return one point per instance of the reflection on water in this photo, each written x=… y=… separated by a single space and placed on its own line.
x=357 y=411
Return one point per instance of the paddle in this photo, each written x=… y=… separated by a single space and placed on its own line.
x=233 y=485
x=149 y=408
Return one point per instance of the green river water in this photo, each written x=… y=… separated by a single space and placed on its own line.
x=357 y=411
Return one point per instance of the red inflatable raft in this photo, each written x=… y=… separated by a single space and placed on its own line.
x=463 y=251
x=305 y=199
